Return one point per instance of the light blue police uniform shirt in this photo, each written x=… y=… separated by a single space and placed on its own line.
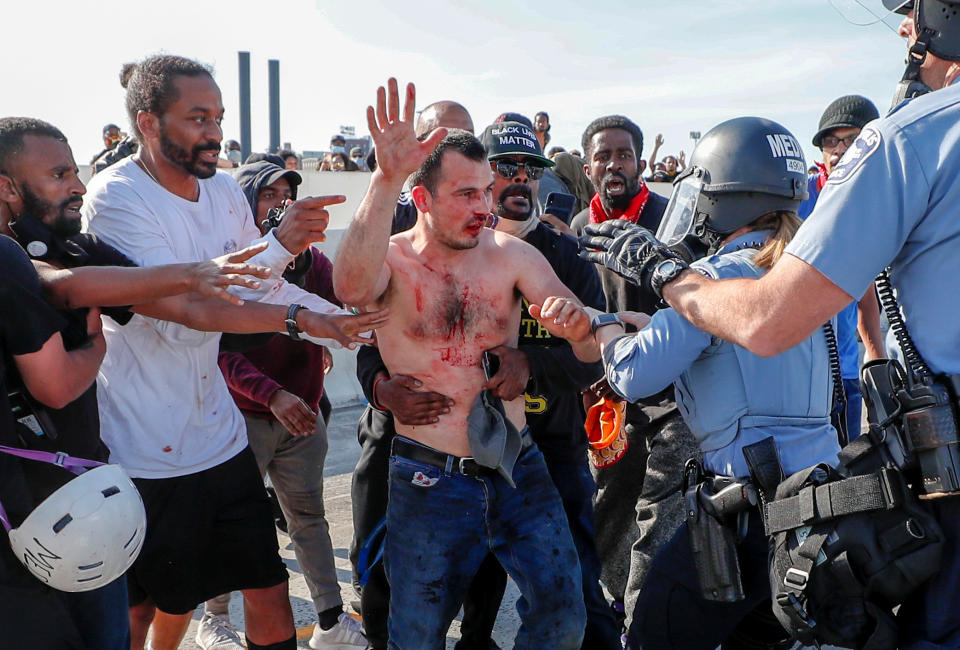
x=849 y=348
x=894 y=200
x=789 y=398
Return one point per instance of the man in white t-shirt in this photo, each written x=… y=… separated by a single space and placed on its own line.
x=165 y=410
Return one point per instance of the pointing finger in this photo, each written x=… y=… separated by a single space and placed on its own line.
x=314 y=202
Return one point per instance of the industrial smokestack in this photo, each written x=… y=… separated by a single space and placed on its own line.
x=273 y=73
x=243 y=59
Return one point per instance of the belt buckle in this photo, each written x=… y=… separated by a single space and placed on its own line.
x=468 y=467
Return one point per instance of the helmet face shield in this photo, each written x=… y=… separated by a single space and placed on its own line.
x=680 y=216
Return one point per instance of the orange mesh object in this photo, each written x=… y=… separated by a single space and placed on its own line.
x=605 y=431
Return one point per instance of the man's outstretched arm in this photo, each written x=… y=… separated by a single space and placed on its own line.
x=360 y=274
x=767 y=315
x=112 y=286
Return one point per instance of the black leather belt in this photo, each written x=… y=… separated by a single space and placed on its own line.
x=464 y=465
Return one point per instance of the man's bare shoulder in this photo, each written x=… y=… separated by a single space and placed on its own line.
x=510 y=245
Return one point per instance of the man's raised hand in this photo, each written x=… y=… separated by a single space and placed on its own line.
x=399 y=153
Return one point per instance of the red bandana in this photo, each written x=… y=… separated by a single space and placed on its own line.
x=632 y=213
x=822 y=176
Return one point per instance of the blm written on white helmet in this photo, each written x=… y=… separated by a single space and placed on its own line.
x=86 y=534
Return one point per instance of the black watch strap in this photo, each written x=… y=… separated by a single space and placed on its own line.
x=664 y=273
x=291 y=322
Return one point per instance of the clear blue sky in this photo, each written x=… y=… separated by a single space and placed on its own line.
x=673 y=67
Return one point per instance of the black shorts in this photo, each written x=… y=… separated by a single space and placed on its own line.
x=208 y=534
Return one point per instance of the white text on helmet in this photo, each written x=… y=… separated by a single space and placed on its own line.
x=784 y=144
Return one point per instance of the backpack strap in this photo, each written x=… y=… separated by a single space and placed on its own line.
x=70 y=463
x=882 y=490
x=790 y=597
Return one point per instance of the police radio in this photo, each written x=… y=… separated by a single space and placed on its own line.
x=912 y=411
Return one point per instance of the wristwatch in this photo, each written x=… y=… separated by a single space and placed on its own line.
x=291 y=322
x=666 y=272
x=601 y=320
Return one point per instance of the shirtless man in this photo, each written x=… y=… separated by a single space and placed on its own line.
x=454 y=288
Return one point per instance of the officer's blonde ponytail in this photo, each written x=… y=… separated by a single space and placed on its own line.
x=784 y=226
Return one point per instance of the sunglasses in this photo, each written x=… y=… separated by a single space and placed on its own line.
x=831 y=141
x=510 y=169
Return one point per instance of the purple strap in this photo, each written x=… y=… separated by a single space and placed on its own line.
x=70 y=463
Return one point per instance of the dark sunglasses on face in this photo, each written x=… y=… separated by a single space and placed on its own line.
x=510 y=168
x=831 y=141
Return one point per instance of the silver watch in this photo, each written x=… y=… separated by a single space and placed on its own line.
x=600 y=320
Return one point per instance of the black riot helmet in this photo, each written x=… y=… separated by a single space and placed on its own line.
x=740 y=170
x=938 y=32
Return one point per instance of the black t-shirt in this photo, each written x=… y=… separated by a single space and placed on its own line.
x=26 y=323
x=77 y=424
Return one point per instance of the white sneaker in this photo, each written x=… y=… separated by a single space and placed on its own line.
x=345 y=635
x=216 y=632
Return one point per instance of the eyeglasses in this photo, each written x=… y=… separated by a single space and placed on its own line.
x=510 y=168
x=831 y=141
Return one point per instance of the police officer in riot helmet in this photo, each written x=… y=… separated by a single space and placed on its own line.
x=741 y=170
x=930 y=30
x=891 y=204
x=731 y=214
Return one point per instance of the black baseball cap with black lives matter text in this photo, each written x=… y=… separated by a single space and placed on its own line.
x=513 y=139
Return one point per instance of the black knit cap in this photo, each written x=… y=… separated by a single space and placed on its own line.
x=849 y=111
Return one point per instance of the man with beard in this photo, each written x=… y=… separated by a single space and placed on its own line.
x=543 y=368
x=638 y=504
x=40 y=200
x=472 y=481
x=210 y=528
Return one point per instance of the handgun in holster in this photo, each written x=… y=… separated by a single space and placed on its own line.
x=717 y=513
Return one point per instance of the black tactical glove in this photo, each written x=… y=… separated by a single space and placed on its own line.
x=630 y=251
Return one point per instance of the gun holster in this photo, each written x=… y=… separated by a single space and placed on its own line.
x=717 y=513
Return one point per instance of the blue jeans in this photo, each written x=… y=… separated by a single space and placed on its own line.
x=441 y=526
x=102 y=615
x=577 y=489
x=671 y=613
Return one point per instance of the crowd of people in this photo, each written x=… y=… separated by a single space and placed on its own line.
x=646 y=411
